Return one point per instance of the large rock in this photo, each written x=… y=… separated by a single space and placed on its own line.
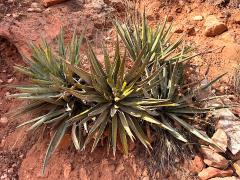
x=214 y=27
x=213 y=159
x=212 y=172
x=231 y=125
x=48 y=3
x=221 y=139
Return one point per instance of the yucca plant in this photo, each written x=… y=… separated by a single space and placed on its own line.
x=121 y=108
x=168 y=58
x=137 y=34
x=172 y=87
x=47 y=72
x=111 y=100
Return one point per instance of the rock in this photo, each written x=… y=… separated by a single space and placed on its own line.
x=221 y=89
x=236 y=166
x=214 y=27
x=1 y=81
x=3 y=121
x=211 y=172
x=213 y=159
x=197 y=18
x=119 y=168
x=169 y=18
x=10 y=80
x=38 y=10
x=67 y=168
x=197 y=164
x=35 y=5
x=7 y=94
x=231 y=125
x=48 y=3
x=15 y=15
x=30 y=10
x=191 y=31
x=177 y=29
x=10 y=170
x=221 y=139
x=2 y=143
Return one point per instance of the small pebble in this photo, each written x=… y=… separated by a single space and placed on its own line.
x=3 y=121
x=221 y=89
x=34 y=5
x=7 y=93
x=197 y=18
x=10 y=171
x=10 y=80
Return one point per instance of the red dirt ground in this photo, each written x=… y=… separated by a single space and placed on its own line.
x=21 y=155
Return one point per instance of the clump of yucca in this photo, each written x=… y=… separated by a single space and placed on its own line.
x=110 y=99
x=168 y=58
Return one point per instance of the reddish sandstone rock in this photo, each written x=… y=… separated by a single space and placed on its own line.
x=197 y=18
x=212 y=172
x=221 y=139
x=213 y=159
x=3 y=121
x=197 y=164
x=214 y=27
x=48 y=3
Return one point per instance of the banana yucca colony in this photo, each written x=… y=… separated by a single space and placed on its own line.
x=48 y=73
x=168 y=58
x=121 y=109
